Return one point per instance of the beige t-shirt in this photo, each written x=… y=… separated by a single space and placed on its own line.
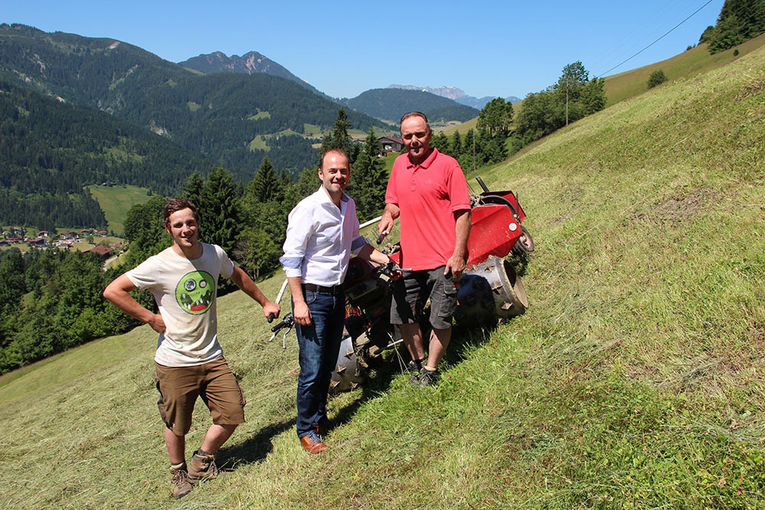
x=185 y=292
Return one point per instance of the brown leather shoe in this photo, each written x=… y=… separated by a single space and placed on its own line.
x=312 y=444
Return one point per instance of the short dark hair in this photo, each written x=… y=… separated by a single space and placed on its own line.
x=414 y=114
x=341 y=152
x=178 y=204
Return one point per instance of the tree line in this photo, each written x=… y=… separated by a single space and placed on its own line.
x=739 y=21
x=501 y=133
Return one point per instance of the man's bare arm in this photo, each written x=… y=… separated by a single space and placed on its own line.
x=385 y=226
x=456 y=263
x=368 y=252
x=118 y=293
x=244 y=282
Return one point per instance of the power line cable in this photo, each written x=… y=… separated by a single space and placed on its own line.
x=657 y=40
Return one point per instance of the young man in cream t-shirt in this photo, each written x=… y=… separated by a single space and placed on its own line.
x=189 y=360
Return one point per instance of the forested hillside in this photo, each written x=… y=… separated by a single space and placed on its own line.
x=49 y=150
x=390 y=104
x=217 y=115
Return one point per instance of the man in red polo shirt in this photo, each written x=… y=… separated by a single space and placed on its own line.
x=428 y=192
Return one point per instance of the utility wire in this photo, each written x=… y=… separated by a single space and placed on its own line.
x=657 y=40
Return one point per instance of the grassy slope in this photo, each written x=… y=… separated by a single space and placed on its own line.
x=634 y=380
x=630 y=83
x=115 y=201
x=635 y=81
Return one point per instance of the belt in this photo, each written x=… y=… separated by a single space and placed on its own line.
x=334 y=290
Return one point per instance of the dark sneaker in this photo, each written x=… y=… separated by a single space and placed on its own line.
x=427 y=377
x=414 y=373
x=181 y=483
x=202 y=467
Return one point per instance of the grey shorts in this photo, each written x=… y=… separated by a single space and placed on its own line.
x=411 y=293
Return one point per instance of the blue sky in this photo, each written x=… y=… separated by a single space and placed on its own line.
x=486 y=48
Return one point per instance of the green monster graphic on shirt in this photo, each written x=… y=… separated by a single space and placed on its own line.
x=195 y=292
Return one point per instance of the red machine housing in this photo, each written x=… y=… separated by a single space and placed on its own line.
x=495 y=226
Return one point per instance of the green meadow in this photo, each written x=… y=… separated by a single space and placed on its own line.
x=634 y=380
x=116 y=201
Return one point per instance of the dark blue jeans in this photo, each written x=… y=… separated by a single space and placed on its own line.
x=319 y=345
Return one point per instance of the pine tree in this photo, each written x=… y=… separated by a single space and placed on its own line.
x=264 y=186
x=261 y=241
x=468 y=144
x=285 y=182
x=193 y=188
x=339 y=138
x=368 y=180
x=440 y=142
x=455 y=147
x=739 y=21
x=219 y=210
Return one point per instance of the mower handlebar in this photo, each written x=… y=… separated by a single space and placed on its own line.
x=286 y=322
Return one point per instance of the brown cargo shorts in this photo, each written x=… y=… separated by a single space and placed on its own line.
x=179 y=388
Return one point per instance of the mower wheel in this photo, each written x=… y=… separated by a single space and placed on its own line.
x=525 y=243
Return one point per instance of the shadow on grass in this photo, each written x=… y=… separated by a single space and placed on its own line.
x=382 y=373
x=381 y=376
x=254 y=449
x=257 y=447
x=464 y=338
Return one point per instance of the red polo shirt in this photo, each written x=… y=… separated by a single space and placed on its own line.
x=427 y=194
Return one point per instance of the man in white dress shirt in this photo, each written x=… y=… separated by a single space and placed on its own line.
x=323 y=231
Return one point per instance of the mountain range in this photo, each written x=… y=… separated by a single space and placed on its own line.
x=455 y=94
x=250 y=63
x=208 y=110
x=232 y=119
x=390 y=104
x=374 y=102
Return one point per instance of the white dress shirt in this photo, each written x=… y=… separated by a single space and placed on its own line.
x=320 y=239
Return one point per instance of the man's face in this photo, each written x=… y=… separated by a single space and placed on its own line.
x=184 y=227
x=334 y=172
x=416 y=136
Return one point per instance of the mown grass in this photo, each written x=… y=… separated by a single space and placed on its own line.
x=634 y=380
x=116 y=201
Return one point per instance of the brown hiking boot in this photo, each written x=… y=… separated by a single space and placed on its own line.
x=181 y=483
x=202 y=467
